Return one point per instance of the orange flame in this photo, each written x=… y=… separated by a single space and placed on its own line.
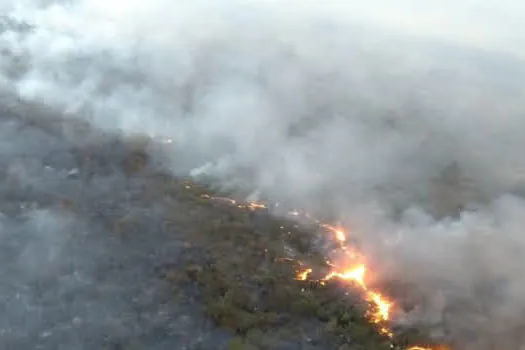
x=339 y=233
x=356 y=275
x=304 y=275
x=379 y=314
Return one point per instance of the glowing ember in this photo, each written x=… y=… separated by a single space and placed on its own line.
x=253 y=206
x=304 y=275
x=339 y=233
x=379 y=313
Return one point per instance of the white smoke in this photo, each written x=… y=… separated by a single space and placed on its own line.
x=394 y=117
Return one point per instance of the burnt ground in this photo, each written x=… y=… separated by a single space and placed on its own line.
x=102 y=250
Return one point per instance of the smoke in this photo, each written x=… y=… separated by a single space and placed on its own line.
x=404 y=120
x=76 y=270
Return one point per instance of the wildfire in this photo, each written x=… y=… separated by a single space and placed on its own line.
x=303 y=276
x=380 y=311
x=338 y=232
x=356 y=275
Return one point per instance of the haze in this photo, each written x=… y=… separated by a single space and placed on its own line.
x=404 y=120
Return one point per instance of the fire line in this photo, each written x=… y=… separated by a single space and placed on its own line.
x=380 y=313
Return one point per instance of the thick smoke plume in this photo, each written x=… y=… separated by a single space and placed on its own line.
x=405 y=121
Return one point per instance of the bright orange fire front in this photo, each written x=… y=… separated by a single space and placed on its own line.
x=379 y=313
x=381 y=305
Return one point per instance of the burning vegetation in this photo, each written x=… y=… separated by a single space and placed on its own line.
x=266 y=279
